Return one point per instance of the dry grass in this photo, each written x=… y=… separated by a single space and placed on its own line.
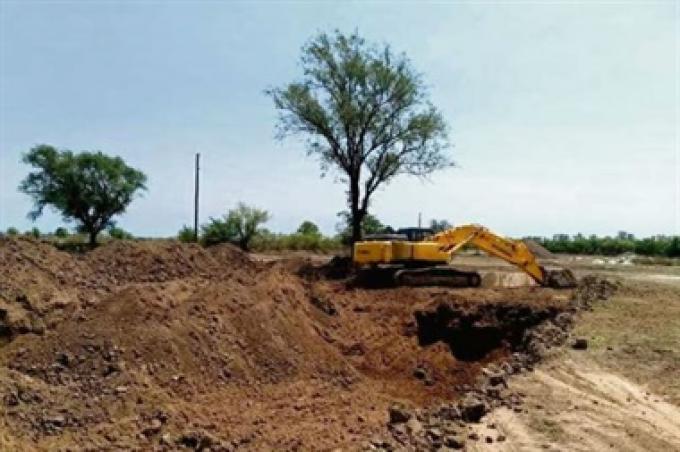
x=637 y=334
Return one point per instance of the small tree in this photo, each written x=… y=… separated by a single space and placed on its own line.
x=440 y=225
x=369 y=225
x=365 y=112
x=186 y=234
x=308 y=228
x=61 y=232
x=12 y=231
x=239 y=226
x=88 y=187
x=119 y=233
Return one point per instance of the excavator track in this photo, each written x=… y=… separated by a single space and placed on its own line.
x=437 y=276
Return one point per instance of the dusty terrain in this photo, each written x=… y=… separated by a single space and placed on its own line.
x=161 y=345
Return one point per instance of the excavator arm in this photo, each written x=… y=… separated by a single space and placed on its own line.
x=513 y=251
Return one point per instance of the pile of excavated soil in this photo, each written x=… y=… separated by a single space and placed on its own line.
x=159 y=344
x=539 y=250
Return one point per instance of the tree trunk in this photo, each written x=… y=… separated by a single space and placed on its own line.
x=356 y=226
x=355 y=211
x=244 y=244
x=93 y=238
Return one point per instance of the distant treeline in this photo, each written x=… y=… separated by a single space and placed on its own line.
x=660 y=245
x=309 y=237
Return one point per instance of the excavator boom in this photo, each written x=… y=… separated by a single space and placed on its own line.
x=512 y=251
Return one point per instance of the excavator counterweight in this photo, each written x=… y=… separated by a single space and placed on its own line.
x=427 y=261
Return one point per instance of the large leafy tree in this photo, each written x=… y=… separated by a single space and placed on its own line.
x=365 y=112
x=87 y=187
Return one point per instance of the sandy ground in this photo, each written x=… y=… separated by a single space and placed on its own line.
x=574 y=404
x=620 y=394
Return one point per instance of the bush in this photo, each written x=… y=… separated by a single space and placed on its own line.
x=266 y=241
x=216 y=231
x=238 y=226
x=186 y=235
x=12 y=231
x=33 y=232
x=61 y=232
x=119 y=233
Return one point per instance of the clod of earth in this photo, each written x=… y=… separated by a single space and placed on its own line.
x=580 y=344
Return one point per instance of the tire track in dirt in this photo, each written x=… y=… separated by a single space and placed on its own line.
x=576 y=405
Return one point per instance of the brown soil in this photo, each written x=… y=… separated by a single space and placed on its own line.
x=163 y=345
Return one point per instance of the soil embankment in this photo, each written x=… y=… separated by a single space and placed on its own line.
x=164 y=345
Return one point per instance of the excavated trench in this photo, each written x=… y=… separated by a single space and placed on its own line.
x=473 y=332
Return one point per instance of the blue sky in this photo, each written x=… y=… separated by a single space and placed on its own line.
x=564 y=115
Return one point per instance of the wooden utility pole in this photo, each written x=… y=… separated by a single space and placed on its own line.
x=198 y=158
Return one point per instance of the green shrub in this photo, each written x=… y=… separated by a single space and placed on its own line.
x=266 y=241
x=61 y=232
x=238 y=226
x=217 y=230
x=33 y=232
x=12 y=231
x=119 y=233
x=186 y=235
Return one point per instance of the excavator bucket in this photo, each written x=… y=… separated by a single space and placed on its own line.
x=562 y=278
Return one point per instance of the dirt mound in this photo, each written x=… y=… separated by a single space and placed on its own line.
x=123 y=262
x=35 y=280
x=161 y=344
x=41 y=285
x=539 y=251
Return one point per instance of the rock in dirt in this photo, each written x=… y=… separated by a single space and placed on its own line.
x=454 y=442
x=420 y=373
x=472 y=408
x=449 y=413
x=399 y=414
x=153 y=428
x=323 y=304
x=580 y=344
x=199 y=441
x=414 y=426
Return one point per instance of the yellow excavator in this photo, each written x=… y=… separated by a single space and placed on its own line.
x=419 y=257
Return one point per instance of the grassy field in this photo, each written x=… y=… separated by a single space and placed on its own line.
x=637 y=334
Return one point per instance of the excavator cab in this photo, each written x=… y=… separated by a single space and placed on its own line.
x=416 y=234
